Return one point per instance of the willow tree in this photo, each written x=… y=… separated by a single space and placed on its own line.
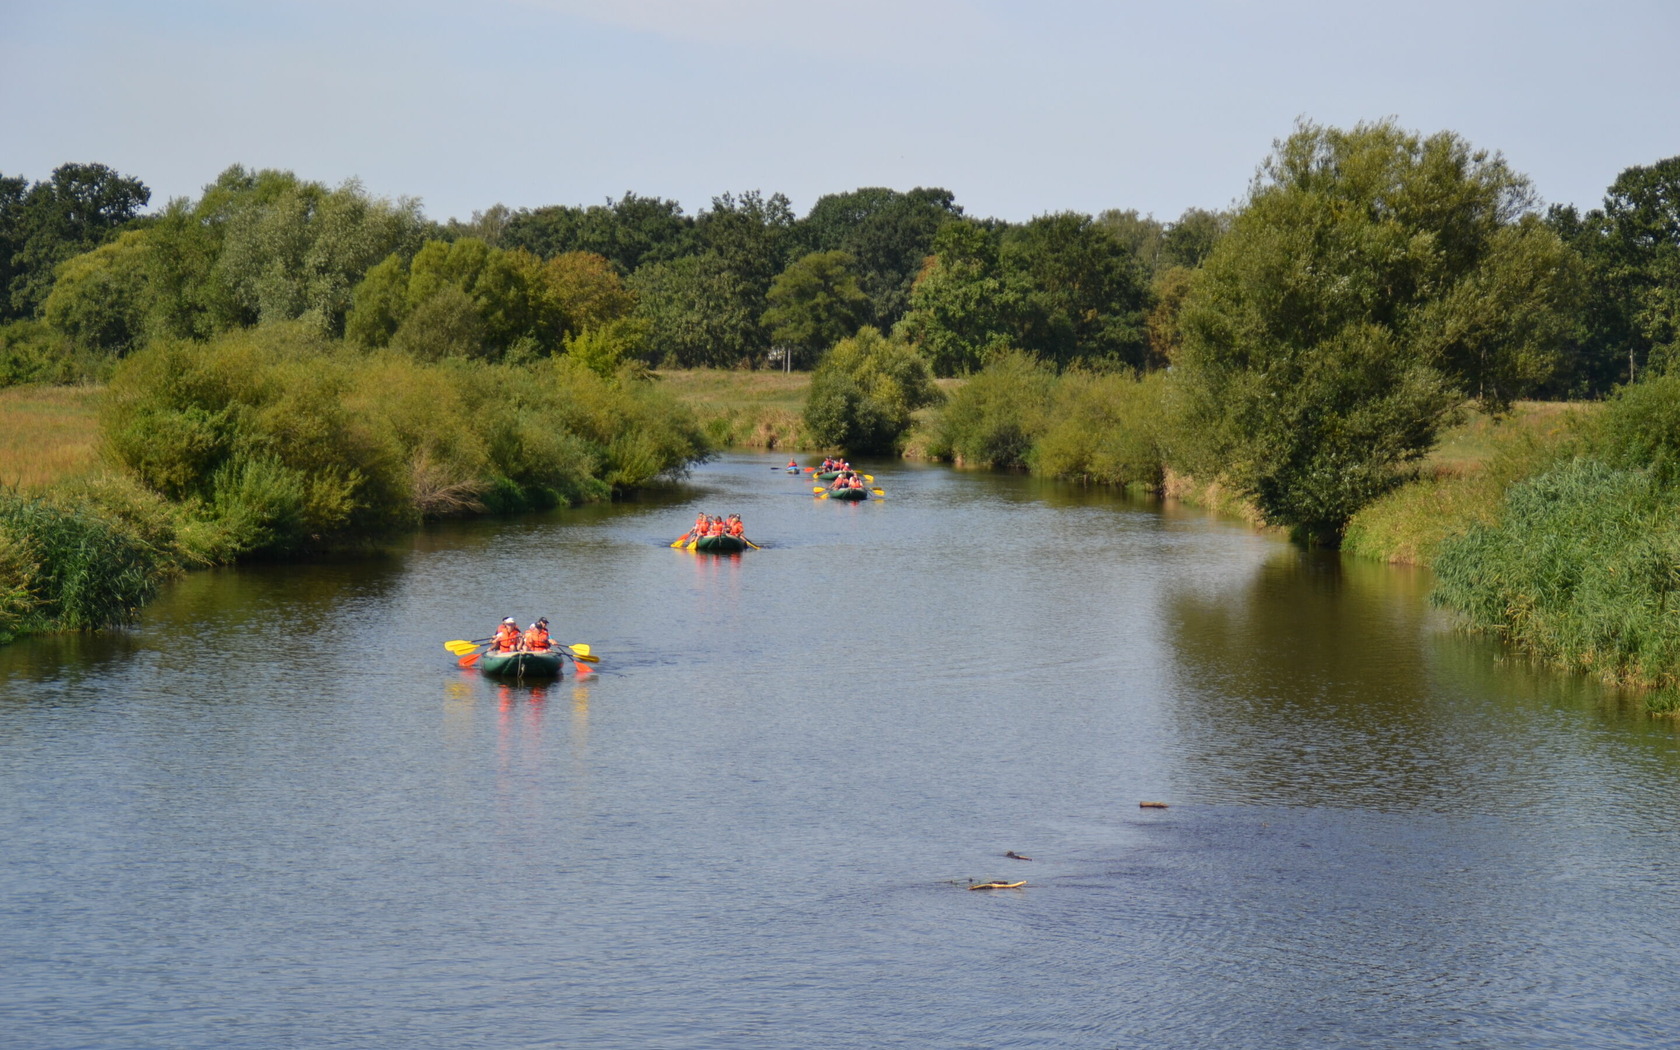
x=1373 y=280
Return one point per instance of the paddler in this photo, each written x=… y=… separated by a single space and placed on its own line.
x=536 y=636
x=507 y=636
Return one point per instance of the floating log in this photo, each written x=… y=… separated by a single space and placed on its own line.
x=998 y=885
x=1012 y=855
x=1152 y=805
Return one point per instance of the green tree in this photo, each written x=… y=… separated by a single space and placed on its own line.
x=863 y=392
x=1364 y=288
x=889 y=235
x=76 y=210
x=1085 y=296
x=699 y=313
x=1641 y=235
x=101 y=299
x=815 y=303
x=963 y=306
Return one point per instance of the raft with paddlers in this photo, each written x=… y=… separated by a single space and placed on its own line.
x=848 y=493
x=712 y=535
x=515 y=654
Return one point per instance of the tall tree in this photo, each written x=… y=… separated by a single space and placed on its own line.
x=1086 y=294
x=815 y=303
x=79 y=208
x=888 y=233
x=1369 y=283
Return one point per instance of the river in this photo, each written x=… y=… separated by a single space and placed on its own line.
x=276 y=814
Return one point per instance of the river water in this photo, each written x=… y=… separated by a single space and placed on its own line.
x=276 y=814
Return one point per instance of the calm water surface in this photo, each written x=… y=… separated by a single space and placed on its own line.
x=277 y=815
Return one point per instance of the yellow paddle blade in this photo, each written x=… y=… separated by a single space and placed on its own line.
x=878 y=492
x=819 y=488
x=869 y=478
x=580 y=651
x=460 y=646
x=680 y=541
x=581 y=648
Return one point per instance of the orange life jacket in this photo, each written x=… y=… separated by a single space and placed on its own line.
x=536 y=639
x=507 y=638
x=715 y=529
x=736 y=528
x=857 y=482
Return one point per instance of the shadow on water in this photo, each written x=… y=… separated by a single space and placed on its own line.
x=1324 y=680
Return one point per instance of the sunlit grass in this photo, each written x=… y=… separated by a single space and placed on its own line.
x=1462 y=482
x=744 y=409
x=49 y=435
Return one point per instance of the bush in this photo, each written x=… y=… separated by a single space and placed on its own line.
x=1580 y=569
x=864 y=392
x=1103 y=428
x=995 y=417
x=69 y=568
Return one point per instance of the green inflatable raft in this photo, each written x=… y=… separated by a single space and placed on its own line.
x=523 y=665
x=720 y=544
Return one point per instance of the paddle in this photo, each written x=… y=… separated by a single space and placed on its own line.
x=751 y=544
x=580 y=651
x=469 y=660
x=461 y=646
x=683 y=538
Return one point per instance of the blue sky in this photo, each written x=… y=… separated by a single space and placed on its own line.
x=1019 y=108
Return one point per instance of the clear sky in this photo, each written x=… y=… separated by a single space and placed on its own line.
x=1019 y=108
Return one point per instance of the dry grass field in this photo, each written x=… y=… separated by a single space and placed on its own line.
x=48 y=435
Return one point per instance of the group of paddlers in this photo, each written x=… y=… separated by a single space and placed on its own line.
x=510 y=639
x=710 y=525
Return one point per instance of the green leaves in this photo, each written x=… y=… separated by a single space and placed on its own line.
x=1373 y=280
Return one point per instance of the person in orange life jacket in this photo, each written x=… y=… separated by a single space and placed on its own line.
x=536 y=636
x=793 y=464
x=856 y=482
x=715 y=528
x=735 y=527
x=700 y=523
x=507 y=636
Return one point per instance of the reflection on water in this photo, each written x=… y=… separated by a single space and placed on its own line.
x=278 y=813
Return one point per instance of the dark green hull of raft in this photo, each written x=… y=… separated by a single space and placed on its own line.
x=720 y=544
x=848 y=494
x=522 y=665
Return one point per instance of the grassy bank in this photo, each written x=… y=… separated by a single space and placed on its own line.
x=743 y=409
x=49 y=435
x=1463 y=482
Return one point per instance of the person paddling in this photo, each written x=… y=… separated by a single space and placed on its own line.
x=507 y=636
x=536 y=636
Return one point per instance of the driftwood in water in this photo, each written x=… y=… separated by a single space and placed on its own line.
x=998 y=885
x=1152 y=805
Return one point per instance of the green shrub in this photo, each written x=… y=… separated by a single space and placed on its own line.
x=1580 y=569
x=864 y=392
x=995 y=417
x=1103 y=428
x=67 y=567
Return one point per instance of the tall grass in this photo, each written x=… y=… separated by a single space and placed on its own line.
x=1464 y=481
x=49 y=435
x=743 y=409
x=1581 y=568
x=67 y=567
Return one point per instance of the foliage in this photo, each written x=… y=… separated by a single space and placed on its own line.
x=101 y=299
x=888 y=234
x=41 y=225
x=962 y=304
x=1103 y=428
x=995 y=417
x=699 y=314
x=630 y=232
x=1580 y=569
x=68 y=567
x=1372 y=278
x=1463 y=482
x=864 y=391
x=1061 y=287
x=815 y=303
x=1639 y=428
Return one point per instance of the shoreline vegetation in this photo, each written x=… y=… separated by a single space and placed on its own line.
x=1386 y=347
